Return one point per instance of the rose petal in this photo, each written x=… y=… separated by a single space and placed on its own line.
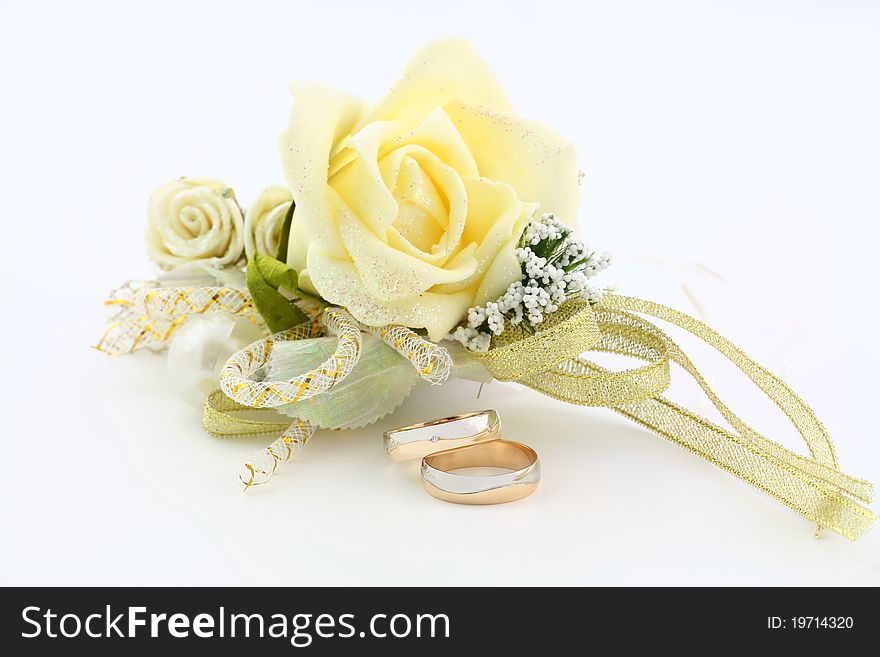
x=360 y=182
x=366 y=183
x=438 y=135
x=495 y=221
x=438 y=313
x=387 y=273
x=438 y=74
x=421 y=209
x=446 y=180
x=505 y=268
x=529 y=156
x=321 y=117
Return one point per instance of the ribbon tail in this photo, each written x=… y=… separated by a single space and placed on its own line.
x=814 y=487
x=802 y=416
x=220 y=420
x=260 y=467
x=809 y=496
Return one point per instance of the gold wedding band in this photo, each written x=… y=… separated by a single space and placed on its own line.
x=521 y=480
x=419 y=440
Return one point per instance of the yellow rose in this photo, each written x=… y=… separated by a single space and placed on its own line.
x=408 y=212
x=264 y=221
x=194 y=219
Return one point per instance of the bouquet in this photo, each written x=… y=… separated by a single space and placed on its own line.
x=428 y=236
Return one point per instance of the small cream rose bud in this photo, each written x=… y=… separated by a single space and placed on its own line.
x=264 y=221
x=195 y=219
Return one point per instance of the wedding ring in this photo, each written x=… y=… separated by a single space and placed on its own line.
x=521 y=480
x=419 y=440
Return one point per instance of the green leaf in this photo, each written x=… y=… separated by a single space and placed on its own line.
x=377 y=385
x=266 y=278
x=285 y=233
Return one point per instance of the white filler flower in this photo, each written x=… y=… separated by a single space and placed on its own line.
x=555 y=268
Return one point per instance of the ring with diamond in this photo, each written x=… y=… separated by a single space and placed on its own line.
x=419 y=440
x=520 y=479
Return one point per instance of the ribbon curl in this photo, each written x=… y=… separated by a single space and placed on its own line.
x=246 y=384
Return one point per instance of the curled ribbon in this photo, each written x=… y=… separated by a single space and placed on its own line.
x=242 y=382
x=245 y=385
x=239 y=380
x=813 y=486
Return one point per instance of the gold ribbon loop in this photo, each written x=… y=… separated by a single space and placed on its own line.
x=219 y=418
x=813 y=486
x=823 y=465
x=620 y=333
x=803 y=418
x=568 y=332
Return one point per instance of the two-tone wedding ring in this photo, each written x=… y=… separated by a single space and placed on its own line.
x=418 y=440
x=520 y=479
x=450 y=445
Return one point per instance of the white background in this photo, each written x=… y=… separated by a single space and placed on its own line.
x=741 y=137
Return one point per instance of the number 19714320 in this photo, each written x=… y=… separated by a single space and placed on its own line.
x=810 y=622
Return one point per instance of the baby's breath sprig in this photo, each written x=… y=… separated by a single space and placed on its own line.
x=556 y=268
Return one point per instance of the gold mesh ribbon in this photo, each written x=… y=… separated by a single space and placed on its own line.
x=220 y=419
x=242 y=393
x=149 y=315
x=242 y=389
x=432 y=362
x=245 y=387
x=813 y=486
x=568 y=332
x=238 y=381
